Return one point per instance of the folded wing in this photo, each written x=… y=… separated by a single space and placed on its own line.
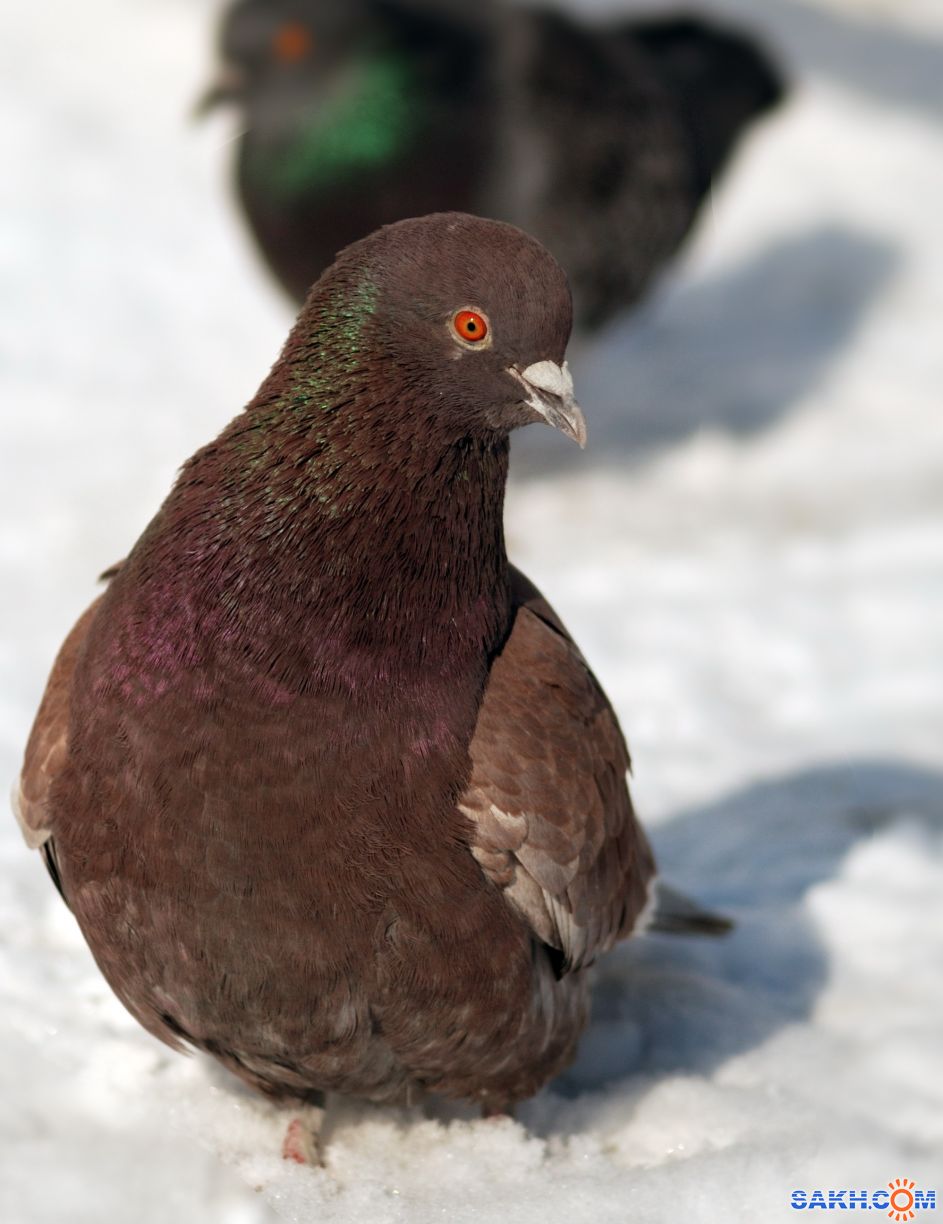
x=553 y=824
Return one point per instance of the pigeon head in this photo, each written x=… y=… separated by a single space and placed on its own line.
x=281 y=46
x=468 y=319
x=275 y=52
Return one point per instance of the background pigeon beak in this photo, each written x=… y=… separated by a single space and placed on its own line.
x=227 y=87
x=549 y=390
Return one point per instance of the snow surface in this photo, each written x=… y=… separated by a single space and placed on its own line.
x=749 y=551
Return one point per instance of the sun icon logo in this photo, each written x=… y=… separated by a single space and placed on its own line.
x=902 y=1198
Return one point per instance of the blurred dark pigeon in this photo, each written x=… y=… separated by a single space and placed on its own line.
x=329 y=788
x=601 y=140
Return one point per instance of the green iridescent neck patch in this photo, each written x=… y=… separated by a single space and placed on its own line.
x=365 y=125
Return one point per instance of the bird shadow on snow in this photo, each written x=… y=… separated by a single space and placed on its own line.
x=734 y=351
x=664 y=1005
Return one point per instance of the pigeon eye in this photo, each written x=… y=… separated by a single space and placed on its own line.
x=292 y=42
x=470 y=326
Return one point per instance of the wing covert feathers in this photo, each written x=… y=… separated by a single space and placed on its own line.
x=553 y=824
x=47 y=749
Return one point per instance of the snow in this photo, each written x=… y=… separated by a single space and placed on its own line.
x=749 y=551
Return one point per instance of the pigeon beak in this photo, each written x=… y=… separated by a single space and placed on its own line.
x=549 y=390
x=227 y=87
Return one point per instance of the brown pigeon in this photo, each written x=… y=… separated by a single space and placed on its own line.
x=327 y=785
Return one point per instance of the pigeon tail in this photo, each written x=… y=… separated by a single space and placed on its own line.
x=721 y=78
x=670 y=912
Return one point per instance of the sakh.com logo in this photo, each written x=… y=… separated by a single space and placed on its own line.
x=901 y=1200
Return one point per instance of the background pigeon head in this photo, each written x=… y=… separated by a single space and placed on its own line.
x=278 y=52
x=461 y=319
x=280 y=46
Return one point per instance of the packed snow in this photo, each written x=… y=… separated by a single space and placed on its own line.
x=749 y=551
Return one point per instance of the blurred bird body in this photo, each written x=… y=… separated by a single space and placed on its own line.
x=602 y=141
x=331 y=792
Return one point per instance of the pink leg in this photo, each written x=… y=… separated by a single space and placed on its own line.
x=302 y=1138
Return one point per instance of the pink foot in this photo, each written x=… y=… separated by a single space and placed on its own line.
x=300 y=1145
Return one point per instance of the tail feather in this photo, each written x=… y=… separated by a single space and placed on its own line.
x=722 y=79
x=672 y=913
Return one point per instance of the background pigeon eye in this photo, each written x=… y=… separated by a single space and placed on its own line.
x=470 y=326
x=292 y=42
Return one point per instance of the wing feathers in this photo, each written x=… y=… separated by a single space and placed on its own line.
x=552 y=820
x=48 y=746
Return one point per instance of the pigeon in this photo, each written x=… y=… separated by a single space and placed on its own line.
x=602 y=141
x=329 y=788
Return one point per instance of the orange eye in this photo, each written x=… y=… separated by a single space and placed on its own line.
x=292 y=42
x=470 y=326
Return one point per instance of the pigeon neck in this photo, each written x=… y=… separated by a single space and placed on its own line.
x=365 y=561
x=406 y=556
x=336 y=519
x=363 y=121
